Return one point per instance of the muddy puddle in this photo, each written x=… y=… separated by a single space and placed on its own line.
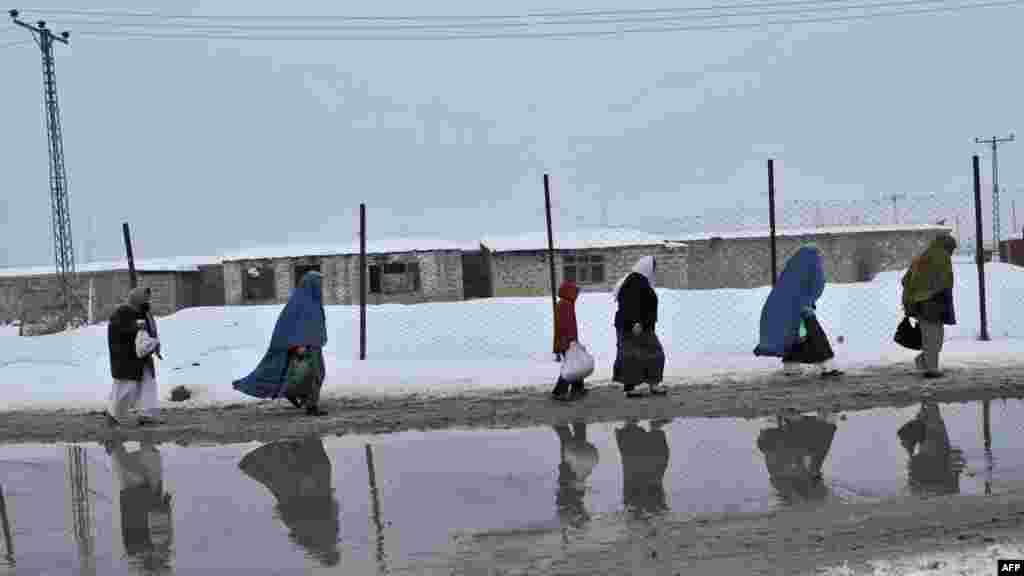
x=406 y=502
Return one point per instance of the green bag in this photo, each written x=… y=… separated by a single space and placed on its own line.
x=803 y=330
x=301 y=371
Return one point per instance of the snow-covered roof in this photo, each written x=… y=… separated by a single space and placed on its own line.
x=573 y=240
x=382 y=246
x=180 y=264
x=823 y=231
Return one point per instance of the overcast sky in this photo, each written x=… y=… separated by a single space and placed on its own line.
x=207 y=146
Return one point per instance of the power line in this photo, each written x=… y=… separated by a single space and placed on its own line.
x=806 y=7
x=552 y=35
x=15 y=43
x=434 y=17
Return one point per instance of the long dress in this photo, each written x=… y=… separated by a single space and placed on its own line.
x=639 y=358
x=302 y=323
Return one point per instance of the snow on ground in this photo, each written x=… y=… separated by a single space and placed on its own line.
x=502 y=343
x=978 y=561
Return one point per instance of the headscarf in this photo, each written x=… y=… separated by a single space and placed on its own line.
x=136 y=298
x=799 y=286
x=931 y=272
x=644 y=266
x=302 y=322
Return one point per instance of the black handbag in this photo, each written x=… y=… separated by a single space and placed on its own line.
x=908 y=334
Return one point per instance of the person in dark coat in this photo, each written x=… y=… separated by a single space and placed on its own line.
x=567 y=331
x=132 y=341
x=300 y=333
x=146 y=516
x=794 y=454
x=789 y=325
x=578 y=459
x=928 y=297
x=644 y=462
x=298 y=474
x=639 y=356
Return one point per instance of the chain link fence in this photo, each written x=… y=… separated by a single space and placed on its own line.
x=714 y=273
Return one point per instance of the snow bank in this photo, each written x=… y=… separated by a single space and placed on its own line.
x=581 y=239
x=502 y=343
x=978 y=561
x=373 y=246
x=181 y=264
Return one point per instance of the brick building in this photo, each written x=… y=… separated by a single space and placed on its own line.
x=850 y=253
x=595 y=259
x=402 y=271
x=31 y=295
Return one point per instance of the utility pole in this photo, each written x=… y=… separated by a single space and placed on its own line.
x=895 y=213
x=995 y=142
x=1013 y=218
x=64 y=252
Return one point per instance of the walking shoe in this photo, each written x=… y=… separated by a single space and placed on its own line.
x=933 y=375
x=578 y=392
x=634 y=393
x=561 y=396
x=658 y=389
x=297 y=402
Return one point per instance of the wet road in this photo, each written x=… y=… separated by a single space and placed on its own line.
x=408 y=502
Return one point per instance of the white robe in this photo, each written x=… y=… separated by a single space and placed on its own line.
x=141 y=395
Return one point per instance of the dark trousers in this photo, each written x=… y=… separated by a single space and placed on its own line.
x=562 y=386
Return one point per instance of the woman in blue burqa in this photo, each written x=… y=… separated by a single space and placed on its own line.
x=296 y=347
x=789 y=325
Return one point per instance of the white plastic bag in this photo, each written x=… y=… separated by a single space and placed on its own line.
x=577 y=364
x=144 y=343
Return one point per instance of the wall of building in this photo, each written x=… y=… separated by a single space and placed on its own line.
x=851 y=257
x=440 y=278
x=211 y=286
x=1012 y=252
x=522 y=274
x=32 y=298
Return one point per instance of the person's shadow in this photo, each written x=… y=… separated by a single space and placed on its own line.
x=794 y=453
x=146 y=516
x=644 y=462
x=298 y=474
x=935 y=465
x=578 y=459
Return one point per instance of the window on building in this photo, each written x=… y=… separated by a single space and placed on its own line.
x=394 y=278
x=301 y=269
x=583 y=268
x=258 y=283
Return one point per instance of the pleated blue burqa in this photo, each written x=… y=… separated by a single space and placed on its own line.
x=301 y=323
x=799 y=286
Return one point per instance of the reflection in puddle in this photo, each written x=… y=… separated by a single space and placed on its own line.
x=298 y=474
x=794 y=453
x=644 y=456
x=145 y=508
x=401 y=503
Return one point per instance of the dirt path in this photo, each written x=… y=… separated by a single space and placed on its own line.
x=790 y=541
x=766 y=395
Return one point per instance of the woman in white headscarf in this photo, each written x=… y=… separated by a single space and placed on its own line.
x=639 y=357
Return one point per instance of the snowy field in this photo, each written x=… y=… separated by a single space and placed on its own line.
x=502 y=343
